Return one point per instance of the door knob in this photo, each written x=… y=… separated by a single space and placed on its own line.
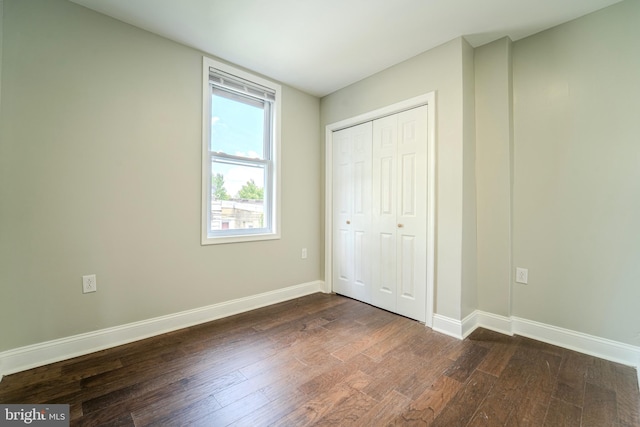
x=400 y=225
x=348 y=222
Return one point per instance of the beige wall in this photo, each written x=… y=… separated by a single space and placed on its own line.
x=557 y=173
x=1 y=32
x=494 y=143
x=439 y=70
x=100 y=147
x=469 y=296
x=576 y=205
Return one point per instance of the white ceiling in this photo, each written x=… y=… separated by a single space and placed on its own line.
x=320 y=46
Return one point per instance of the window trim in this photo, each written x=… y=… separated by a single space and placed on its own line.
x=242 y=235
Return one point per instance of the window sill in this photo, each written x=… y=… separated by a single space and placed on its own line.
x=239 y=239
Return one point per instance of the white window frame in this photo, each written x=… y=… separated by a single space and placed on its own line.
x=272 y=188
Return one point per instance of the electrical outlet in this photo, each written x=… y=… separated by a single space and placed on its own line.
x=522 y=275
x=89 y=284
x=304 y=253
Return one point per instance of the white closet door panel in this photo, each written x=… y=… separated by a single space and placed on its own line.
x=384 y=292
x=412 y=213
x=412 y=150
x=361 y=178
x=386 y=191
x=344 y=269
x=406 y=279
x=387 y=260
x=358 y=188
x=383 y=218
x=343 y=253
x=343 y=196
x=361 y=263
x=352 y=212
x=411 y=301
x=408 y=185
x=361 y=218
x=342 y=246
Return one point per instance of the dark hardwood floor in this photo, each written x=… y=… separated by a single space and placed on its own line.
x=329 y=360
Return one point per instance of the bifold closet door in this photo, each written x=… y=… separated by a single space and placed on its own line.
x=352 y=212
x=399 y=213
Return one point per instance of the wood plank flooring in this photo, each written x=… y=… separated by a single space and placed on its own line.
x=326 y=360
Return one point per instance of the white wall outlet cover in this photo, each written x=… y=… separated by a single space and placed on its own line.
x=522 y=275
x=89 y=283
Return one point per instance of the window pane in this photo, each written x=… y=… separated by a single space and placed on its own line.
x=237 y=125
x=237 y=196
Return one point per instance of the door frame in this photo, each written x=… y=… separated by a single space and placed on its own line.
x=428 y=99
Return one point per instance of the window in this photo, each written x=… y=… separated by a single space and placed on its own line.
x=240 y=169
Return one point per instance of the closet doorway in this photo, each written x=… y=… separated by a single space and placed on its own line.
x=380 y=208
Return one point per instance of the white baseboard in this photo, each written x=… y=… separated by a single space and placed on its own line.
x=40 y=354
x=595 y=346
x=489 y=321
x=460 y=329
x=588 y=344
x=448 y=326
